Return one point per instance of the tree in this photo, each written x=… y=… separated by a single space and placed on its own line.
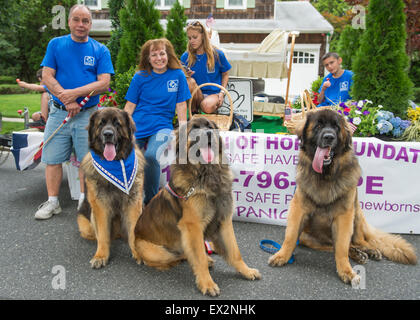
x=381 y=65
x=8 y=51
x=348 y=44
x=113 y=43
x=412 y=11
x=175 y=33
x=139 y=20
x=33 y=29
x=337 y=13
x=335 y=7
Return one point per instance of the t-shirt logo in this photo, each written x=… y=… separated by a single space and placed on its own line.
x=172 y=85
x=89 y=61
x=211 y=71
x=344 y=86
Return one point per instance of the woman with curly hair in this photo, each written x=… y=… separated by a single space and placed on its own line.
x=156 y=91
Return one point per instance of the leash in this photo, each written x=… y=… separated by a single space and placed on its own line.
x=272 y=247
x=81 y=104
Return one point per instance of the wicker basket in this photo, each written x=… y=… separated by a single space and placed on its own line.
x=299 y=118
x=222 y=121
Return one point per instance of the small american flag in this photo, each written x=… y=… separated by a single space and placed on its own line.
x=352 y=127
x=210 y=21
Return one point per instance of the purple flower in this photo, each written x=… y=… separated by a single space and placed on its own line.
x=395 y=122
x=109 y=90
x=366 y=112
x=343 y=105
x=397 y=132
x=405 y=124
x=339 y=111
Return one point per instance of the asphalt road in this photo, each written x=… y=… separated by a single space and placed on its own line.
x=49 y=260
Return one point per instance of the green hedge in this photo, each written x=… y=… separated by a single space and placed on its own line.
x=9 y=127
x=12 y=89
x=416 y=94
x=7 y=80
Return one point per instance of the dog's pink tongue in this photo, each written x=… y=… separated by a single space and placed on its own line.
x=318 y=161
x=109 y=152
x=207 y=154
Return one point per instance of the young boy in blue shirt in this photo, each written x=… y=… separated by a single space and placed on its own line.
x=336 y=85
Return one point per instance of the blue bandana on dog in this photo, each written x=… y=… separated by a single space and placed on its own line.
x=121 y=173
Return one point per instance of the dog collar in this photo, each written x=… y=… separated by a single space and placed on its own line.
x=121 y=173
x=173 y=193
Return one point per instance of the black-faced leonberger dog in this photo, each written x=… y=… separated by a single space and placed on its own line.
x=114 y=174
x=196 y=204
x=324 y=212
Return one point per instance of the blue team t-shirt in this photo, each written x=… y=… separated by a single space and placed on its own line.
x=339 y=89
x=77 y=63
x=203 y=74
x=155 y=96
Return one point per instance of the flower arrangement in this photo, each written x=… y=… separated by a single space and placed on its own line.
x=315 y=97
x=108 y=99
x=413 y=113
x=412 y=133
x=389 y=124
x=361 y=114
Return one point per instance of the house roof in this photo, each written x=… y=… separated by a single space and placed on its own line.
x=300 y=16
x=288 y=15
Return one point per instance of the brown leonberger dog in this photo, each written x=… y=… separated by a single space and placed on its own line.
x=108 y=210
x=196 y=204
x=324 y=212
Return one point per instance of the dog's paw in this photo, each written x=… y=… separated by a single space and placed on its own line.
x=374 y=254
x=98 y=262
x=208 y=287
x=210 y=262
x=358 y=255
x=355 y=281
x=277 y=260
x=252 y=274
x=136 y=257
x=349 y=277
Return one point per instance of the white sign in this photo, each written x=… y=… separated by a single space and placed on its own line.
x=264 y=166
x=240 y=91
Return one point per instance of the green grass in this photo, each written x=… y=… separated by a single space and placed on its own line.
x=11 y=103
x=9 y=127
x=268 y=124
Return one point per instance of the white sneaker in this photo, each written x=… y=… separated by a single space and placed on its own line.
x=47 y=209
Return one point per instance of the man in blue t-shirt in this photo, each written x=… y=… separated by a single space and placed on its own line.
x=74 y=65
x=336 y=85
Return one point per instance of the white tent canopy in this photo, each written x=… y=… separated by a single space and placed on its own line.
x=268 y=60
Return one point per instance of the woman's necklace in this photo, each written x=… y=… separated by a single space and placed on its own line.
x=199 y=56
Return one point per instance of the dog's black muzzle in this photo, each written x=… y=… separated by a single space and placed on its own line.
x=327 y=138
x=108 y=135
